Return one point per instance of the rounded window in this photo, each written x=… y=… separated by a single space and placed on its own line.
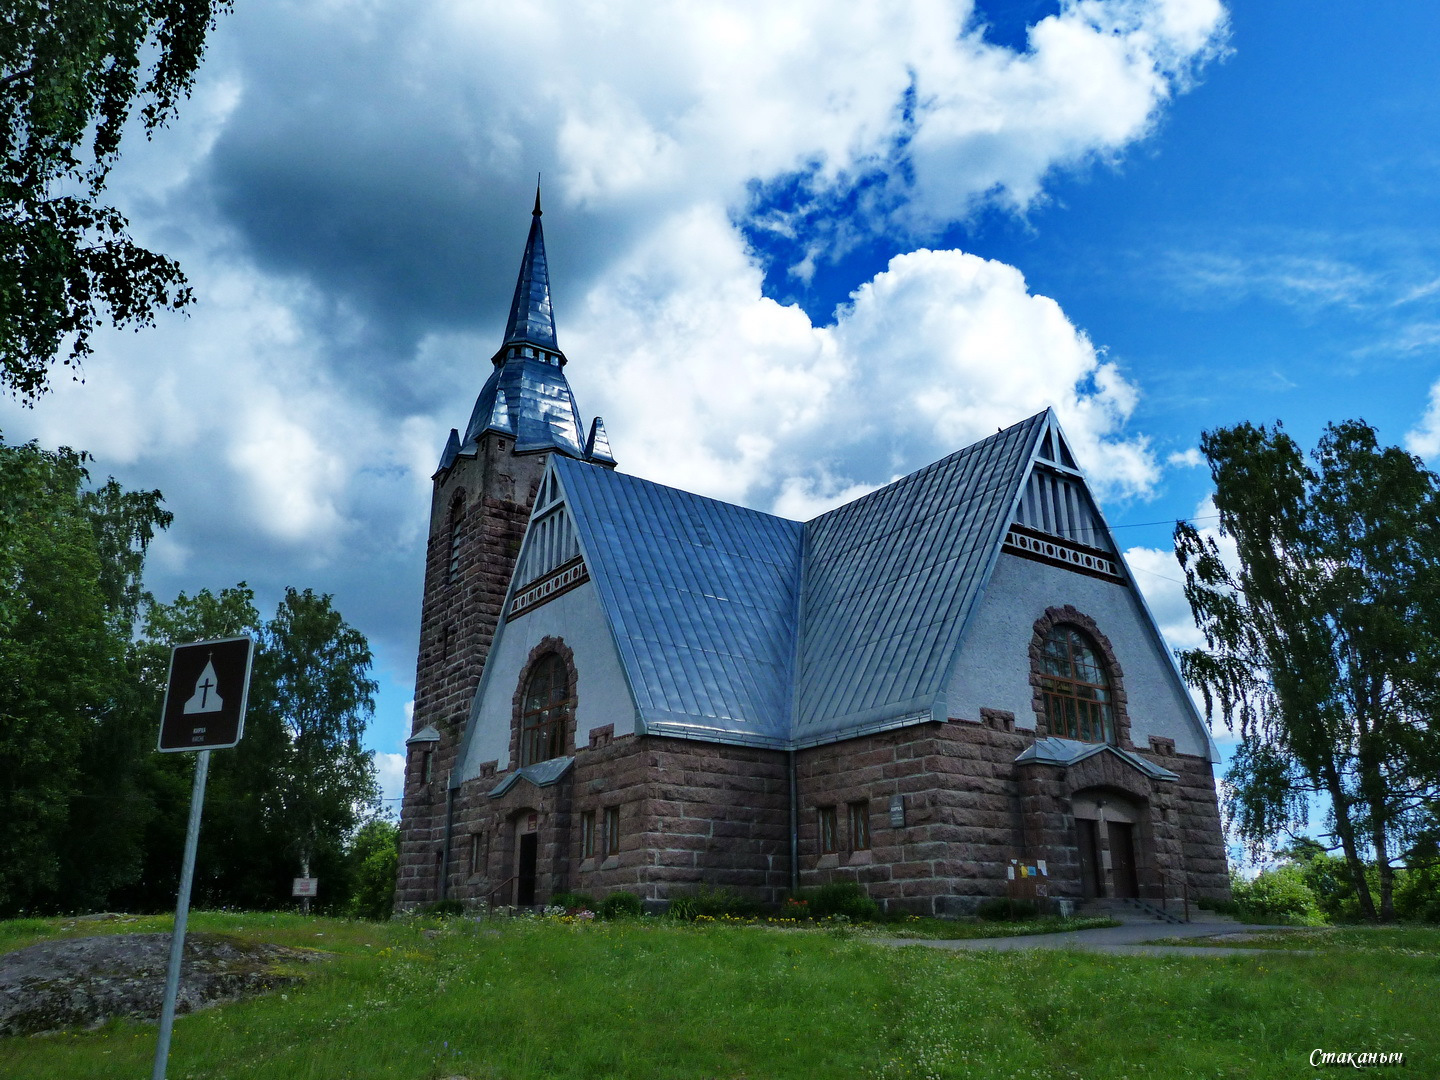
x=545 y=706
x=1078 y=701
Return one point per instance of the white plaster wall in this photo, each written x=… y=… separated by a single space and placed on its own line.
x=993 y=669
x=602 y=694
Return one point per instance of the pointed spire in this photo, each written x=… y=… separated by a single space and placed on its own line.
x=597 y=446
x=451 y=451
x=531 y=320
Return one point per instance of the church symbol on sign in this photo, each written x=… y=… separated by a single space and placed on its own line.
x=205 y=699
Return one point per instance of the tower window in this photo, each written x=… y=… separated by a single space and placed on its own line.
x=828 y=844
x=457 y=521
x=860 y=825
x=587 y=834
x=546 y=707
x=612 y=830
x=1076 y=687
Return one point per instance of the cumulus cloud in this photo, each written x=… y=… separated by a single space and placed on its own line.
x=1424 y=439
x=727 y=392
x=347 y=192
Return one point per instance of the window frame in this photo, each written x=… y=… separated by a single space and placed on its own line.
x=612 y=830
x=543 y=726
x=828 y=828
x=587 y=834
x=1076 y=707
x=859 y=822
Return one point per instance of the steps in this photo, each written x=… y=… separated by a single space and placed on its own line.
x=1128 y=909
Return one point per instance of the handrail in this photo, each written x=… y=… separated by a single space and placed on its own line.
x=1164 y=884
x=491 y=894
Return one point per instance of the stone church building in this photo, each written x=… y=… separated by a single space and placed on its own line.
x=943 y=686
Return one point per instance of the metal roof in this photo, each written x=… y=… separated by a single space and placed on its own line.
x=1067 y=752
x=527 y=395
x=890 y=582
x=542 y=775
x=531 y=319
x=701 y=598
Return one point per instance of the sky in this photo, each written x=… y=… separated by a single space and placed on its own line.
x=797 y=250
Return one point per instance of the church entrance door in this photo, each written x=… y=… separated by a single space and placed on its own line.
x=1122 y=858
x=525 y=876
x=1089 y=858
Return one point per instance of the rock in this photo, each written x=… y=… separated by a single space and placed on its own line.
x=82 y=982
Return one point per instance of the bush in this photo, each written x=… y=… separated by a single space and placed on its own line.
x=375 y=857
x=574 y=901
x=621 y=905
x=443 y=908
x=1278 y=894
x=1000 y=909
x=840 y=898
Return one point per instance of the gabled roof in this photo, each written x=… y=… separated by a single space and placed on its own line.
x=890 y=582
x=701 y=598
x=737 y=626
x=1066 y=752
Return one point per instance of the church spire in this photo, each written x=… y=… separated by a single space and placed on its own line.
x=531 y=320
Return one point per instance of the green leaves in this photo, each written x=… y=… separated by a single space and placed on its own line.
x=1323 y=642
x=71 y=72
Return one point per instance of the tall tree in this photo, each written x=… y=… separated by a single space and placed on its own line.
x=70 y=561
x=316 y=680
x=72 y=72
x=1323 y=647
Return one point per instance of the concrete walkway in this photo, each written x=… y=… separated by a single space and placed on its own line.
x=1125 y=939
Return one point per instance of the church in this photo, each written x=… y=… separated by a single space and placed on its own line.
x=947 y=690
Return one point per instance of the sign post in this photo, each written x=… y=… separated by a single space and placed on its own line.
x=204 y=710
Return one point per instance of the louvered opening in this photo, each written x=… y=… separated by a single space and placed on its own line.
x=550 y=544
x=1057 y=504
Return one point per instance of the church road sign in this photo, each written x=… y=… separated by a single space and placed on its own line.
x=205 y=696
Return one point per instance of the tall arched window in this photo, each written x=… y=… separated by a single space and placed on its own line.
x=545 y=706
x=1076 y=688
x=457 y=524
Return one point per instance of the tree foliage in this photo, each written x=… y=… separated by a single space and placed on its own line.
x=92 y=815
x=1323 y=644
x=72 y=73
x=70 y=561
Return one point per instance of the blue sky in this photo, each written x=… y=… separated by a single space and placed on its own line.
x=797 y=250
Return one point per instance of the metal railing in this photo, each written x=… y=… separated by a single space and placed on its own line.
x=1159 y=886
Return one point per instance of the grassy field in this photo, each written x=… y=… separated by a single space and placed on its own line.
x=423 y=1000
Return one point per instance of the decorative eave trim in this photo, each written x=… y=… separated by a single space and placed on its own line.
x=561 y=580
x=1042 y=547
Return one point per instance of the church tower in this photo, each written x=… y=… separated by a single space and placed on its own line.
x=483 y=491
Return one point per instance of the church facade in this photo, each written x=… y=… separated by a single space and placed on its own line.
x=947 y=690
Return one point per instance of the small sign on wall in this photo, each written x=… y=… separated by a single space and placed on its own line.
x=897 y=811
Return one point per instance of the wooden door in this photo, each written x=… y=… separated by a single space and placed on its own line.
x=525 y=876
x=1089 y=858
x=1122 y=859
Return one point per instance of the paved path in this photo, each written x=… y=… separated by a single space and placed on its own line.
x=1125 y=939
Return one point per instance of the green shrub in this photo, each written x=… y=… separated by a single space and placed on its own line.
x=375 y=858
x=1001 y=909
x=682 y=907
x=840 y=898
x=621 y=905
x=1278 y=894
x=574 y=901
x=443 y=908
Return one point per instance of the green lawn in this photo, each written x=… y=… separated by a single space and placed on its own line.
x=422 y=1000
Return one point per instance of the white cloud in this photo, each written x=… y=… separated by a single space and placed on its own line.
x=390 y=772
x=1424 y=439
x=709 y=385
x=1186 y=459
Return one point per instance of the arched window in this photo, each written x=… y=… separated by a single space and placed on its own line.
x=544 y=708
x=457 y=523
x=1076 y=688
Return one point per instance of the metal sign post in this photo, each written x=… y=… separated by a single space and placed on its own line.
x=204 y=710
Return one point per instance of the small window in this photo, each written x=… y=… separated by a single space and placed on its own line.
x=1076 y=687
x=545 y=709
x=479 y=852
x=828 y=840
x=427 y=765
x=587 y=834
x=860 y=825
x=457 y=522
x=612 y=830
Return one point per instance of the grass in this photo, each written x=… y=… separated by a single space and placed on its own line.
x=1407 y=940
x=963 y=929
x=529 y=999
